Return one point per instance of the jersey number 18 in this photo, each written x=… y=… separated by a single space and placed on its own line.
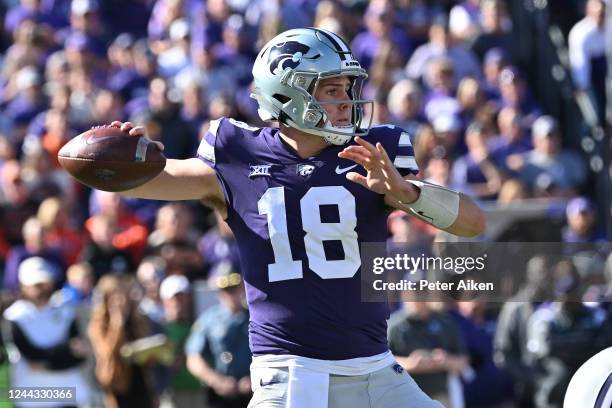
x=272 y=204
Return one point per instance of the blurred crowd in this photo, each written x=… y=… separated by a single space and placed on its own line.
x=90 y=280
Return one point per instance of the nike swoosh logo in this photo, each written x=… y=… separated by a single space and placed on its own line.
x=422 y=214
x=92 y=139
x=344 y=169
x=266 y=383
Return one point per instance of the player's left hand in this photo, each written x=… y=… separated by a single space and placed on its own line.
x=382 y=177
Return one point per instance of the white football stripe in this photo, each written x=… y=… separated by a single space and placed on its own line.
x=405 y=162
x=141 y=149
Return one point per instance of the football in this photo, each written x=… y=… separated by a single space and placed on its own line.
x=108 y=159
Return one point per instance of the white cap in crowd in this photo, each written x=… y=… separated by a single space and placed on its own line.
x=173 y=285
x=35 y=270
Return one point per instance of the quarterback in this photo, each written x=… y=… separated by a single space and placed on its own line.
x=300 y=199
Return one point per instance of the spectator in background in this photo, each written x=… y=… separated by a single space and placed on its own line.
x=53 y=214
x=16 y=204
x=218 y=244
x=116 y=321
x=440 y=100
x=494 y=61
x=511 y=193
x=514 y=93
x=78 y=287
x=24 y=10
x=163 y=122
x=85 y=19
x=123 y=77
x=441 y=45
x=548 y=167
x=28 y=101
x=414 y=17
x=129 y=232
x=563 y=335
x=495 y=29
x=174 y=223
x=426 y=343
x=107 y=104
x=176 y=241
x=510 y=343
x=385 y=71
x=471 y=98
x=330 y=15
x=164 y=13
x=193 y=110
x=380 y=27
x=28 y=48
x=511 y=139
x=218 y=348
x=236 y=52
x=49 y=348
x=581 y=227
x=464 y=20
x=484 y=385
x=207 y=71
x=43 y=178
x=34 y=245
x=587 y=54
x=175 y=54
x=150 y=274
x=475 y=172
x=447 y=129
x=184 y=390
x=100 y=252
x=404 y=103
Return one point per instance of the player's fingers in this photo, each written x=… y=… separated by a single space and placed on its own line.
x=126 y=126
x=358 y=149
x=357 y=178
x=369 y=146
x=137 y=131
x=356 y=157
x=383 y=154
x=116 y=123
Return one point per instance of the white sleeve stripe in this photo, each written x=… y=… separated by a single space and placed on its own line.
x=214 y=127
x=206 y=150
x=404 y=140
x=405 y=162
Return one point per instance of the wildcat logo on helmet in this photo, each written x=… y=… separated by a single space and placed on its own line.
x=286 y=55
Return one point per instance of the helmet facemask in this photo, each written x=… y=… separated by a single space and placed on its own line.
x=317 y=120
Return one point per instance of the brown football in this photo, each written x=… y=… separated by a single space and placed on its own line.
x=108 y=159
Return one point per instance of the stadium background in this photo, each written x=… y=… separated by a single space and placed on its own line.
x=172 y=65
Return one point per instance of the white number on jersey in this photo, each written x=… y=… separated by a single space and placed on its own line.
x=272 y=203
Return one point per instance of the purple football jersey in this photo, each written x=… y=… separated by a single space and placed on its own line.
x=299 y=224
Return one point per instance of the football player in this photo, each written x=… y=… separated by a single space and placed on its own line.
x=300 y=199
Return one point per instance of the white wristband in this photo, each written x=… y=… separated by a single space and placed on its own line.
x=436 y=205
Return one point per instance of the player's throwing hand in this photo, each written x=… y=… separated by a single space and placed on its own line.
x=382 y=177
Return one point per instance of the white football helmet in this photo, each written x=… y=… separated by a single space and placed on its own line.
x=287 y=72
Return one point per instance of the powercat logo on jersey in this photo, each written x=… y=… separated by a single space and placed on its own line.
x=305 y=169
x=260 y=170
x=286 y=55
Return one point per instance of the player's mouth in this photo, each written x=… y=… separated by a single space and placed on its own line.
x=342 y=123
